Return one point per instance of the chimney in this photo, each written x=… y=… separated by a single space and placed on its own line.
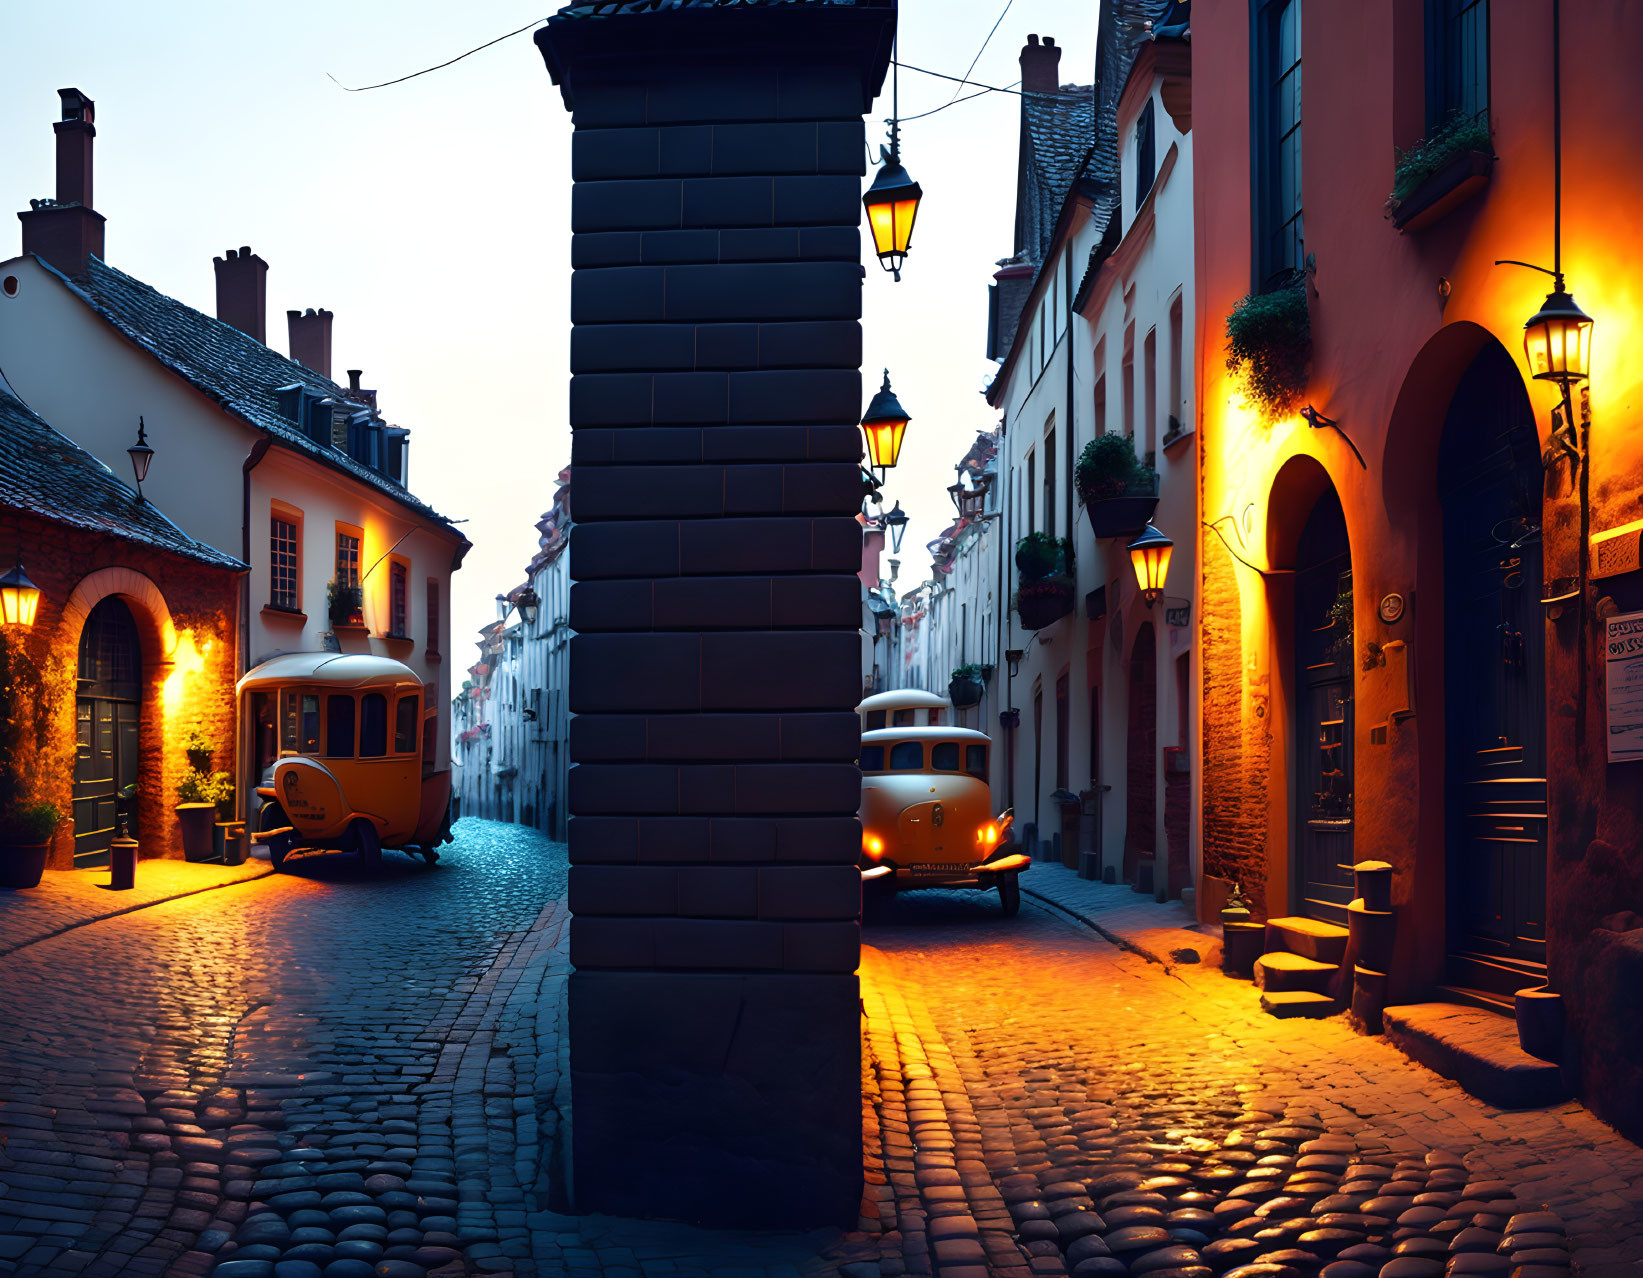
x=65 y=232
x=242 y=292
x=1040 y=66
x=311 y=338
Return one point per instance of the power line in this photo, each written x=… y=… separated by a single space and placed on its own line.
x=441 y=66
x=968 y=97
x=982 y=50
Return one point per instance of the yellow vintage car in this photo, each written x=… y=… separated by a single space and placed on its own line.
x=904 y=708
x=926 y=814
x=344 y=747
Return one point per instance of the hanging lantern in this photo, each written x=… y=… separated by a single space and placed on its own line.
x=19 y=598
x=529 y=605
x=883 y=423
x=892 y=207
x=896 y=522
x=1558 y=341
x=141 y=455
x=1150 y=556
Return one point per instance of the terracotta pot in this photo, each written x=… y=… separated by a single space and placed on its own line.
x=196 y=820
x=21 y=864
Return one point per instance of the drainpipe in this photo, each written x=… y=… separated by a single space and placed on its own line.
x=258 y=451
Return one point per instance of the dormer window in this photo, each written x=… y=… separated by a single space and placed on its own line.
x=1146 y=153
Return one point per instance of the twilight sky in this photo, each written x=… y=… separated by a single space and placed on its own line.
x=433 y=217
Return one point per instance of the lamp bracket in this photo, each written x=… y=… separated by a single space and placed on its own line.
x=1318 y=421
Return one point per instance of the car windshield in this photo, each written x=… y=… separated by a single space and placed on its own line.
x=944 y=757
x=906 y=756
x=872 y=758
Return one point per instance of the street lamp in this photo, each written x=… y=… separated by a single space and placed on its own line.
x=503 y=607
x=141 y=454
x=19 y=598
x=1150 y=556
x=1558 y=340
x=972 y=501
x=896 y=522
x=884 y=423
x=892 y=201
x=529 y=605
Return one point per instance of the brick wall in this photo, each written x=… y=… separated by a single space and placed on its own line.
x=202 y=601
x=1237 y=744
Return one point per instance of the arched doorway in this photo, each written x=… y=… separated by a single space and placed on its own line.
x=1322 y=814
x=107 y=712
x=1489 y=486
x=1141 y=756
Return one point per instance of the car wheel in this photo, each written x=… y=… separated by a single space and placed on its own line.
x=1009 y=894
x=367 y=844
x=272 y=817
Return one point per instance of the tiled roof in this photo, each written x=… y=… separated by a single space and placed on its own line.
x=47 y=474
x=228 y=366
x=610 y=8
x=1058 y=130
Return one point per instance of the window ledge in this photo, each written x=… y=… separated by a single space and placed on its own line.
x=1466 y=173
x=392 y=638
x=293 y=615
x=350 y=628
x=1171 y=441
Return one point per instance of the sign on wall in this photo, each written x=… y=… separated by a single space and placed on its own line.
x=1623 y=681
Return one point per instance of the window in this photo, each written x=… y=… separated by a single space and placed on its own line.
x=348 y=539
x=407 y=715
x=1149 y=393
x=872 y=758
x=1146 y=148
x=975 y=761
x=1457 y=61
x=1049 y=479
x=373 y=725
x=936 y=717
x=399 y=578
x=875 y=719
x=1129 y=381
x=1062 y=719
x=944 y=756
x=339 y=727
x=1100 y=363
x=433 y=616
x=1280 y=244
x=1032 y=492
x=906 y=756
x=904 y=719
x=299 y=722
x=284 y=563
x=1177 y=409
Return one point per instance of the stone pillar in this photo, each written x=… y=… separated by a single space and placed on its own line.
x=716 y=351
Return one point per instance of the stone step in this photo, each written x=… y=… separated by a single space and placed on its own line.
x=1280 y=971
x=1479 y=1050
x=1288 y=1003
x=1307 y=937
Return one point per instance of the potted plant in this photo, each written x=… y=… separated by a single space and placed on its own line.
x=345 y=604
x=967 y=685
x=1046 y=591
x=1119 y=493
x=199 y=748
x=196 y=810
x=1441 y=171
x=1269 y=345
x=25 y=842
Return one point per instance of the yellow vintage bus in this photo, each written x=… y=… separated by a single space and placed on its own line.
x=926 y=813
x=344 y=749
x=904 y=708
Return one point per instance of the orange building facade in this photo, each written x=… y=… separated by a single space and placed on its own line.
x=1399 y=663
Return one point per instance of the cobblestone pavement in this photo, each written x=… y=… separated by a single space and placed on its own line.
x=356 y=1057
x=1047 y=1103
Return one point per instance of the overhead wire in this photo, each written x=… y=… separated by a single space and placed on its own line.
x=982 y=50
x=363 y=88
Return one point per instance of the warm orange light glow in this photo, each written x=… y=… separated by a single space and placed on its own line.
x=873 y=846
x=19 y=598
x=1150 y=556
x=987 y=836
x=884 y=440
x=187 y=658
x=892 y=225
x=1558 y=341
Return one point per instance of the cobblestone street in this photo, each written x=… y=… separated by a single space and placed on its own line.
x=319 y=1073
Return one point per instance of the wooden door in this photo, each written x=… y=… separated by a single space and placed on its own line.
x=107 y=714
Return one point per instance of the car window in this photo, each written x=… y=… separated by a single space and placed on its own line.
x=975 y=761
x=872 y=758
x=938 y=717
x=406 y=718
x=875 y=719
x=373 y=725
x=944 y=757
x=339 y=727
x=903 y=719
x=906 y=756
x=299 y=723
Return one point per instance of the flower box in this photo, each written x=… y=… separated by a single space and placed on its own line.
x=1463 y=176
x=1043 y=603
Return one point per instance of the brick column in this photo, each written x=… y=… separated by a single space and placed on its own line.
x=714 y=1011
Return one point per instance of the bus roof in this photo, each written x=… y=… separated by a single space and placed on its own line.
x=904 y=699
x=883 y=736
x=335 y=669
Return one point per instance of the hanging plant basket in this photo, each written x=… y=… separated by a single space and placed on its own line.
x=966 y=687
x=1269 y=346
x=1043 y=603
x=1119 y=493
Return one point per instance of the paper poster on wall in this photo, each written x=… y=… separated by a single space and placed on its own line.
x=1623 y=681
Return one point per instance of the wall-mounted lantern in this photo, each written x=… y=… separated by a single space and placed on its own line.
x=892 y=201
x=884 y=423
x=19 y=598
x=1558 y=340
x=1012 y=658
x=972 y=500
x=529 y=605
x=141 y=455
x=896 y=522
x=1150 y=556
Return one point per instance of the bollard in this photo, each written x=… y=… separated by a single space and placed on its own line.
x=122 y=864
